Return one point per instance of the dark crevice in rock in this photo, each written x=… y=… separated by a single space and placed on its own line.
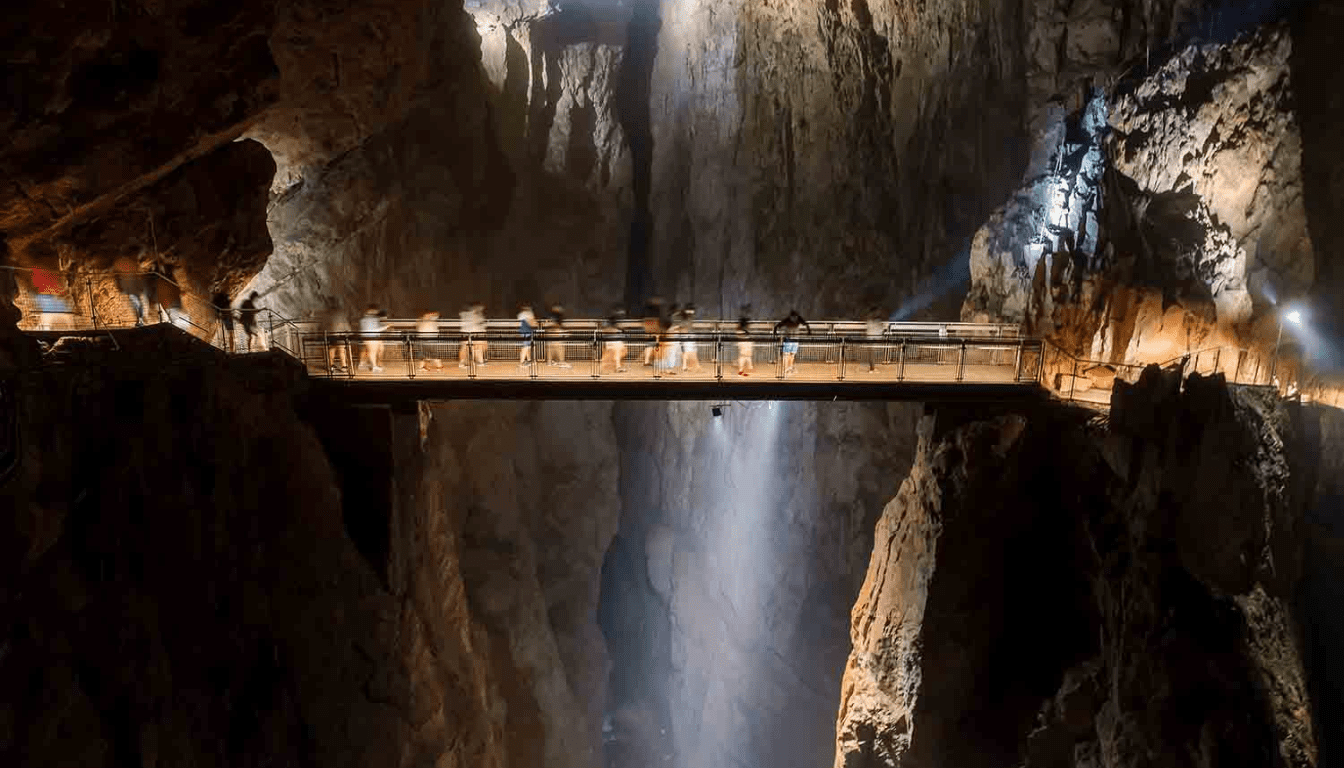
x=633 y=110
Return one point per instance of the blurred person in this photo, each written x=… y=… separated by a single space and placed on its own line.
x=428 y=328
x=555 y=351
x=131 y=284
x=613 y=349
x=473 y=324
x=223 y=305
x=527 y=326
x=690 y=351
x=875 y=327
x=247 y=318
x=789 y=327
x=746 y=365
x=653 y=313
x=50 y=299
x=169 y=294
x=370 y=325
x=335 y=322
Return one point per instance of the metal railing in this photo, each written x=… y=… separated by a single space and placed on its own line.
x=1092 y=381
x=704 y=355
x=102 y=300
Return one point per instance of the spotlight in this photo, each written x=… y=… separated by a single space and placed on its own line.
x=716 y=410
x=1295 y=317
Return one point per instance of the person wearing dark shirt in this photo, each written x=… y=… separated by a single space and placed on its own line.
x=789 y=327
x=224 y=308
x=247 y=317
x=555 y=350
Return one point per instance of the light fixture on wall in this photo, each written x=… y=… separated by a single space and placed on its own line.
x=716 y=410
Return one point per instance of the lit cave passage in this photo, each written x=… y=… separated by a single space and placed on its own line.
x=209 y=560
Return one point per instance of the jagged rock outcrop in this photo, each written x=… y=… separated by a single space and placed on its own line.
x=109 y=99
x=1159 y=217
x=1044 y=592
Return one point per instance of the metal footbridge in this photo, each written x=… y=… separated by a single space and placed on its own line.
x=415 y=359
x=589 y=359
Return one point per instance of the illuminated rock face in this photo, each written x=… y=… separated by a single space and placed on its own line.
x=1183 y=185
x=1042 y=593
x=495 y=172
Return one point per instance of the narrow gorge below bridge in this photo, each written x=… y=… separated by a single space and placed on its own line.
x=236 y=560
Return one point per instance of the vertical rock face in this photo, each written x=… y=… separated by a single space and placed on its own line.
x=797 y=148
x=1044 y=592
x=530 y=497
x=500 y=176
x=180 y=587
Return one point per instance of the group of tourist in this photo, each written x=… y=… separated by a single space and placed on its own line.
x=673 y=347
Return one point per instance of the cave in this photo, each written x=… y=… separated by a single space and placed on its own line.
x=233 y=541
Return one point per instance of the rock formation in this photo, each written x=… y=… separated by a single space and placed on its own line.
x=1044 y=591
x=827 y=156
x=1165 y=216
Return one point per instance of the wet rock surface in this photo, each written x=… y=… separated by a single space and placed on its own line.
x=1089 y=594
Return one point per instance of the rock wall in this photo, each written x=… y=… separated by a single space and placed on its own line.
x=1046 y=591
x=1168 y=214
x=114 y=108
x=179 y=585
x=499 y=177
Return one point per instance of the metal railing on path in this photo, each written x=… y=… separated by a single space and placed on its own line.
x=709 y=351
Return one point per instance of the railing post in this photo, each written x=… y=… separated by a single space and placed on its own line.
x=1217 y=358
x=93 y=311
x=1073 y=378
x=410 y=357
x=471 y=357
x=718 y=357
x=326 y=352
x=900 y=363
x=597 y=357
x=842 y=359
x=352 y=362
x=961 y=361
x=1017 y=362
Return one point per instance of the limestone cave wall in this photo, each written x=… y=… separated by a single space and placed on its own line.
x=1047 y=590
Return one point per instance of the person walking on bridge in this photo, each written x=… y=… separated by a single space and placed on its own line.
x=223 y=305
x=789 y=327
x=473 y=324
x=132 y=285
x=875 y=328
x=745 y=348
x=427 y=329
x=613 y=349
x=527 y=326
x=335 y=322
x=371 y=325
x=247 y=317
x=690 y=354
x=555 y=350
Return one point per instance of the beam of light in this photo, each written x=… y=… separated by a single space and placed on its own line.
x=725 y=613
x=955 y=274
